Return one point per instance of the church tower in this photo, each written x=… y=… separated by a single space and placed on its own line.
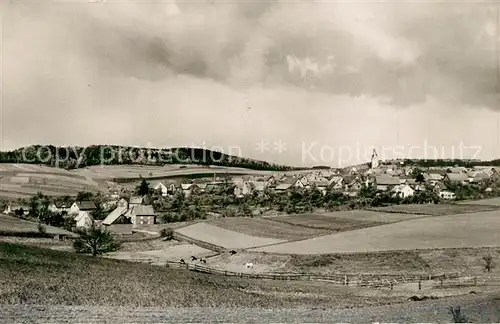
x=374 y=161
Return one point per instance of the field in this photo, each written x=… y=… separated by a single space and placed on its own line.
x=372 y=216
x=223 y=237
x=436 y=209
x=44 y=277
x=468 y=261
x=264 y=227
x=332 y=224
x=9 y=224
x=454 y=231
x=483 y=202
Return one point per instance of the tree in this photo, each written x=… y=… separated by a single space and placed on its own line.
x=84 y=196
x=488 y=262
x=167 y=234
x=420 y=178
x=143 y=188
x=95 y=240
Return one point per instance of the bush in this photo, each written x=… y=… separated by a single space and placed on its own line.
x=457 y=316
x=96 y=241
x=167 y=234
x=41 y=228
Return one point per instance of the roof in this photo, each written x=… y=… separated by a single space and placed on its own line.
x=283 y=186
x=322 y=183
x=258 y=185
x=86 y=205
x=432 y=176
x=113 y=216
x=386 y=180
x=143 y=210
x=457 y=177
x=136 y=200
x=186 y=186
x=336 y=179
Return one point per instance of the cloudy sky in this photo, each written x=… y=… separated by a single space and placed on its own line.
x=301 y=83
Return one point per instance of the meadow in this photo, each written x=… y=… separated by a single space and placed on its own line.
x=44 y=277
x=266 y=227
x=329 y=223
x=436 y=209
x=453 y=231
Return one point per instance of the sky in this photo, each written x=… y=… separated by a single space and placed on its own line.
x=294 y=82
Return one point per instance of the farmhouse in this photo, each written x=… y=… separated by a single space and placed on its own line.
x=283 y=187
x=336 y=182
x=117 y=216
x=84 y=219
x=79 y=206
x=456 y=178
x=142 y=215
x=160 y=187
x=403 y=191
x=59 y=207
x=242 y=189
x=384 y=183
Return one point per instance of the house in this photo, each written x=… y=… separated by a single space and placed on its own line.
x=117 y=216
x=162 y=188
x=456 y=178
x=321 y=185
x=354 y=186
x=327 y=174
x=384 y=183
x=143 y=215
x=84 y=219
x=336 y=182
x=190 y=188
x=448 y=195
x=403 y=191
x=59 y=207
x=122 y=203
x=283 y=187
x=79 y=206
x=457 y=170
x=136 y=200
x=258 y=186
x=242 y=189
x=432 y=177
x=478 y=177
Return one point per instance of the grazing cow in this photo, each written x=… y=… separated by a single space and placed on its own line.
x=182 y=261
x=249 y=265
x=193 y=258
x=232 y=252
x=203 y=261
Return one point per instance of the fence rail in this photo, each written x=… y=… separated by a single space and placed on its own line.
x=353 y=279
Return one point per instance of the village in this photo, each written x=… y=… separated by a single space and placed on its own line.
x=395 y=181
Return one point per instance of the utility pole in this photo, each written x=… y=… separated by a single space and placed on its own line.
x=498 y=82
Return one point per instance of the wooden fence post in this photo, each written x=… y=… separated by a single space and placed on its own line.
x=419 y=284
x=475 y=281
x=430 y=277
x=345 y=280
x=441 y=281
x=392 y=286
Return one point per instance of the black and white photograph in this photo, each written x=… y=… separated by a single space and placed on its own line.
x=249 y=161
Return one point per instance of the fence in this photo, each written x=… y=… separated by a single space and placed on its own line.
x=346 y=279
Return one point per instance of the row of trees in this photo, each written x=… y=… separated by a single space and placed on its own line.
x=78 y=157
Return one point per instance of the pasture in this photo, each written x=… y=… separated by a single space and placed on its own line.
x=453 y=231
x=11 y=226
x=44 y=277
x=371 y=216
x=482 y=202
x=174 y=252
x=223 y=237
x=329 y=223
x=436 y=209
x=265 y=227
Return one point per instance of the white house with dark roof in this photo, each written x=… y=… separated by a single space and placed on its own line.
x=79 y=206
x=143 y=215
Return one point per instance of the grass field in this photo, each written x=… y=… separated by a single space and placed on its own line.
x=468 y=261
x=264 y=227
x=436 y=209
x=9 y=224
x=483 y=202
x=453 y=231
x=371 y=216
x=331 y=224
x=224 y=237
x=45 y=277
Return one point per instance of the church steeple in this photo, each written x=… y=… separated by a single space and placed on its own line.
x=374 y=163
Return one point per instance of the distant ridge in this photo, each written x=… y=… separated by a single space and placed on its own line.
x=80 y=157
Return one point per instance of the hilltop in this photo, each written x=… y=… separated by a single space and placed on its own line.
x=81 y=157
